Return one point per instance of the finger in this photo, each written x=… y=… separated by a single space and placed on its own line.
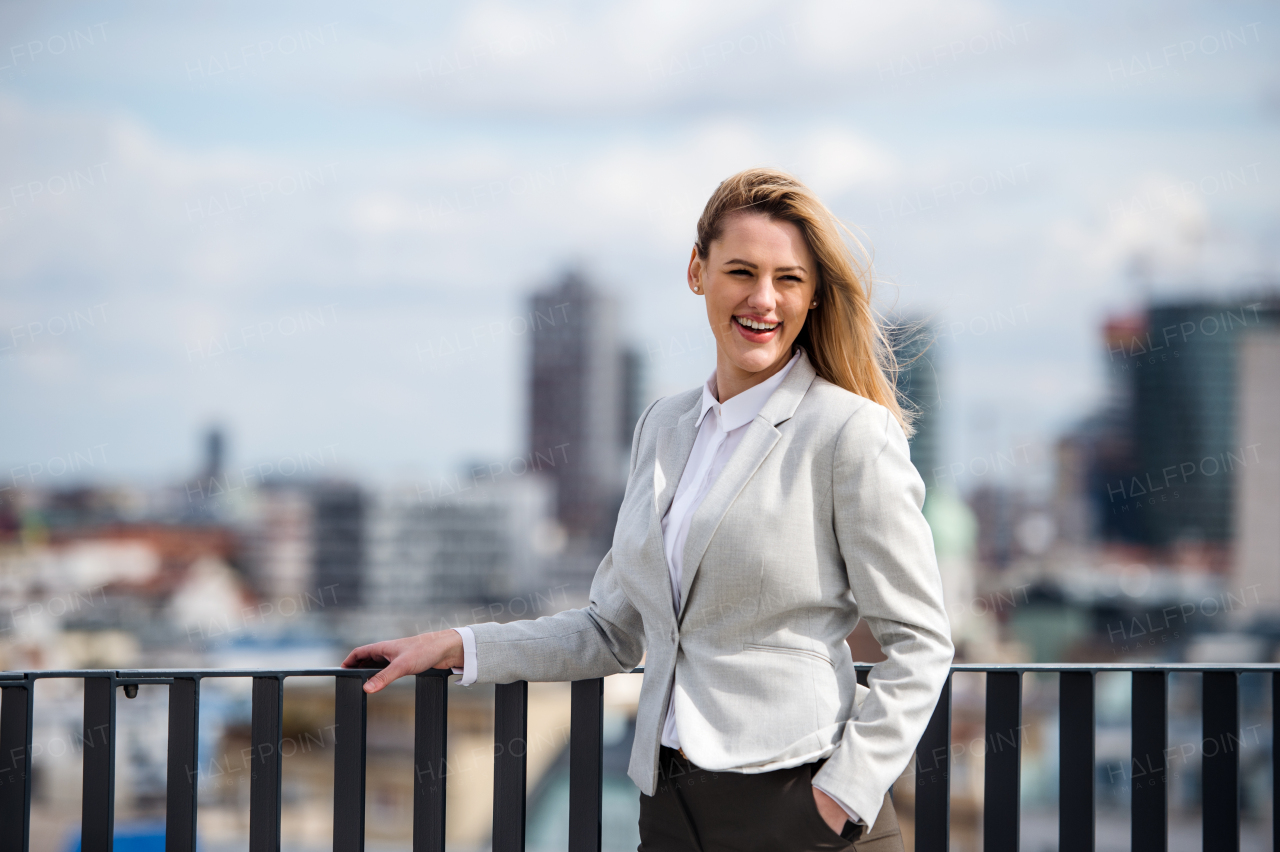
x=395 y=669
x=365 y=653
x=354 y=657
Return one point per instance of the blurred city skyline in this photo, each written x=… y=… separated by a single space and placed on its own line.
x=320 y=230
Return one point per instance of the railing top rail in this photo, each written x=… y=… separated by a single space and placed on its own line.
x=166 y=675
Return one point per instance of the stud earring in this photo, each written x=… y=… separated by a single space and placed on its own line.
x=698 y=289
x=814 y=303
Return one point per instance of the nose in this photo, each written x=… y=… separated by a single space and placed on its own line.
x=763 y=297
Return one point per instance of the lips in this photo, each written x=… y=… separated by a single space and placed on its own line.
x=756 y=330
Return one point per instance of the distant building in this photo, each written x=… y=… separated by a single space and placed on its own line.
x=585 y=397
x=1157 y=465
x=479 y=545
x=337 y=535
x=307 y=537
x=1256 y=558
x=915 y=346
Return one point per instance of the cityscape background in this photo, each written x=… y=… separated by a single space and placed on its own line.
x=319 y=327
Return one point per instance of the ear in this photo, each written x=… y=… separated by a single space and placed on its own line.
x=694 y=274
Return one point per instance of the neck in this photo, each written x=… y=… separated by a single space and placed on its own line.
x=732 y=380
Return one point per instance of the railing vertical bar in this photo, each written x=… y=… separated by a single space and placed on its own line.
x=933 y=778
x=1149 y=828
x=183 y=765
x=1275 y=761
x=586 y=764
x=264 y=780
x=1220 y=767
x=350 y=714
x=1076 y=756
x=430 y=732
x=97 y=807
x=1001 y=787
x=15 y=779
x=510 y=724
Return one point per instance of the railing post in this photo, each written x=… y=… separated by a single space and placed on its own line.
x=1147 y=778
x=1076 y=757
x=1001 y=803
x=264 y=779
x=510 y=746
x=15 y=762
x=586 y=764
x=184 y=765
x=430 y=726
x=97 y=807
x=933 y=778
x=350 y=720
x=1220 y=767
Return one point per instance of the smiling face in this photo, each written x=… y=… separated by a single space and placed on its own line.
x=759 y=280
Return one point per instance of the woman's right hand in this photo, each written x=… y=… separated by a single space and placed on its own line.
x=411 y=655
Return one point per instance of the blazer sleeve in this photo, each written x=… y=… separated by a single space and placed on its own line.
x=603 y=638
x=888 y=553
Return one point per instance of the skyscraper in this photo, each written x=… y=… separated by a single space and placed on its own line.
x=914 y=344
x=583 y=405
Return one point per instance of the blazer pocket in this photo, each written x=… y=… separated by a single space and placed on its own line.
x=783 y=649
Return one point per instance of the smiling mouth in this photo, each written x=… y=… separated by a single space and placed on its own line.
x=756 y=326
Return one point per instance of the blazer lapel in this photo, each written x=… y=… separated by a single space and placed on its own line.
x=761 y=436
x=675 y=443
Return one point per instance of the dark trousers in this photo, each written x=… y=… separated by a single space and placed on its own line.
x=701 y=811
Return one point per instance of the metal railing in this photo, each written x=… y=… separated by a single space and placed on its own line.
x=1220 y=770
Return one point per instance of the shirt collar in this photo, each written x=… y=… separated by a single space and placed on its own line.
x=743 y=408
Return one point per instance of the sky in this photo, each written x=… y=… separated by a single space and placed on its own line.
x=318 y=224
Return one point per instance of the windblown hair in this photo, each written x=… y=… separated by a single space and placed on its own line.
x=843 y=336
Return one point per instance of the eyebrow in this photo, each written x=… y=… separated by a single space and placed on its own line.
x=779 y=269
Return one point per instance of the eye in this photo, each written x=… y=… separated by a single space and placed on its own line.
x=739 y=272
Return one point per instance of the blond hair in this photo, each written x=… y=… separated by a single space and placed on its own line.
x=843 y=336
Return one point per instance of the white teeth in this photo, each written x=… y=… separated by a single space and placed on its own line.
x=758 y=326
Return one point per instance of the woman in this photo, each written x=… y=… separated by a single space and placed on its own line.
x=765 y=514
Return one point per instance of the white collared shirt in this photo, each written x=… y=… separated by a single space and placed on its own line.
x=721 y=426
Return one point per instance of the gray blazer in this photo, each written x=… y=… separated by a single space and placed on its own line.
x=814 y=523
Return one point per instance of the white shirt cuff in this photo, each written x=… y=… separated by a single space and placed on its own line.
x=468 y=669
x=853 y=815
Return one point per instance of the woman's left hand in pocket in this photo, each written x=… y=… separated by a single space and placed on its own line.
x=830 y=811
